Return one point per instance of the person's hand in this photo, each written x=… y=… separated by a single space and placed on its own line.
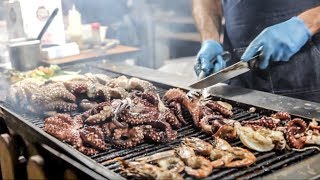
x=209 y=51
x=278 y=42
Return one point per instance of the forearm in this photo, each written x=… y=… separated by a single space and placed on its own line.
x=207 y=15
x=311 y=18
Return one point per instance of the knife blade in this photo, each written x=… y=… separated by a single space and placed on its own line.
x=227 y=73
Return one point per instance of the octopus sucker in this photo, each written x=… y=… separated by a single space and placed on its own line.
x=283 y=116
x=218 y=107
x=127 y=138
x=60 y=106
x=93 y=136
x=76 y=87
x=267 y=122
x=178 y=96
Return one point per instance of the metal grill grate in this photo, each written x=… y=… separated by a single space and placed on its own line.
x=266 y=162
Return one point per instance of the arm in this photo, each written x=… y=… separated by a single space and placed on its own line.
x=207 y=15
x=311 y=18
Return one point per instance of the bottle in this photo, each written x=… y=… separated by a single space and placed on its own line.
x=75 y=27
x=95 y=34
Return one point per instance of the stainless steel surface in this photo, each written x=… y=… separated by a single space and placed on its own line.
x=25 y=55
x=223 y=75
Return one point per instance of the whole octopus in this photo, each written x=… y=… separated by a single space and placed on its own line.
x=120 y=112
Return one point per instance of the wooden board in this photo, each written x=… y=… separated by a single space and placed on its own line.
x=90 y=54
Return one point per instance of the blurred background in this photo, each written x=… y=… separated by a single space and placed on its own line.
x=163 y=31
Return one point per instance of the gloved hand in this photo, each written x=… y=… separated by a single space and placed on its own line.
x=278 y=42
x=210 y=50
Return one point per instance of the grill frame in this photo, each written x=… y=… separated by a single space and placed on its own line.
x=32 y=132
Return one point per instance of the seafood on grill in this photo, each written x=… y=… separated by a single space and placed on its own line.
x=67 y=129
x=127 y=138
x=224 y=128
x=142 y=170
x=41 y=98
x=173 y=164
x=283 y=116
x=93 y=136
x=267 y=122
x=261 y=139
x=194 y=156
x=198 y=166
x=296 y=129
x=131 y=84
x=176 y=98
x=199 y=107
x=199 y=146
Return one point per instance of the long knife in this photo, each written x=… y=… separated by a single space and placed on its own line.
x=227 y=73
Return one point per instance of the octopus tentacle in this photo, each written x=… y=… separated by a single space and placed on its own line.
x=205 y=123
x=177 y=95
x=76 y=87
x=267 y=122
x=168 y=116
x=93 y=136
x=60 y=106
x=217 y=107
x=126 y=138
x=283 y=116
x=296 y=127
x=224 y=128
x=169 y=133
x=176 y=108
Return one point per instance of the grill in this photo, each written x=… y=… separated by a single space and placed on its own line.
x=105 y=163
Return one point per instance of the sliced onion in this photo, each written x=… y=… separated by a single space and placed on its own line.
x=254 y=140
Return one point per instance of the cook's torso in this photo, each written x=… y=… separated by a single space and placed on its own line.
x=245 y=19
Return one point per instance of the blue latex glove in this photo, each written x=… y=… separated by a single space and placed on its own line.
x=278 y=42
x=210 y=50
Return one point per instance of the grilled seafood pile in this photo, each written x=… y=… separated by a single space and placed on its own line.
x=123 y=113
x=50 y=97
x=196 y=157
x=279 y=132
x=210 y=116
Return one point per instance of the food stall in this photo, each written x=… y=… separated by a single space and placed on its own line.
x=90 y=115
